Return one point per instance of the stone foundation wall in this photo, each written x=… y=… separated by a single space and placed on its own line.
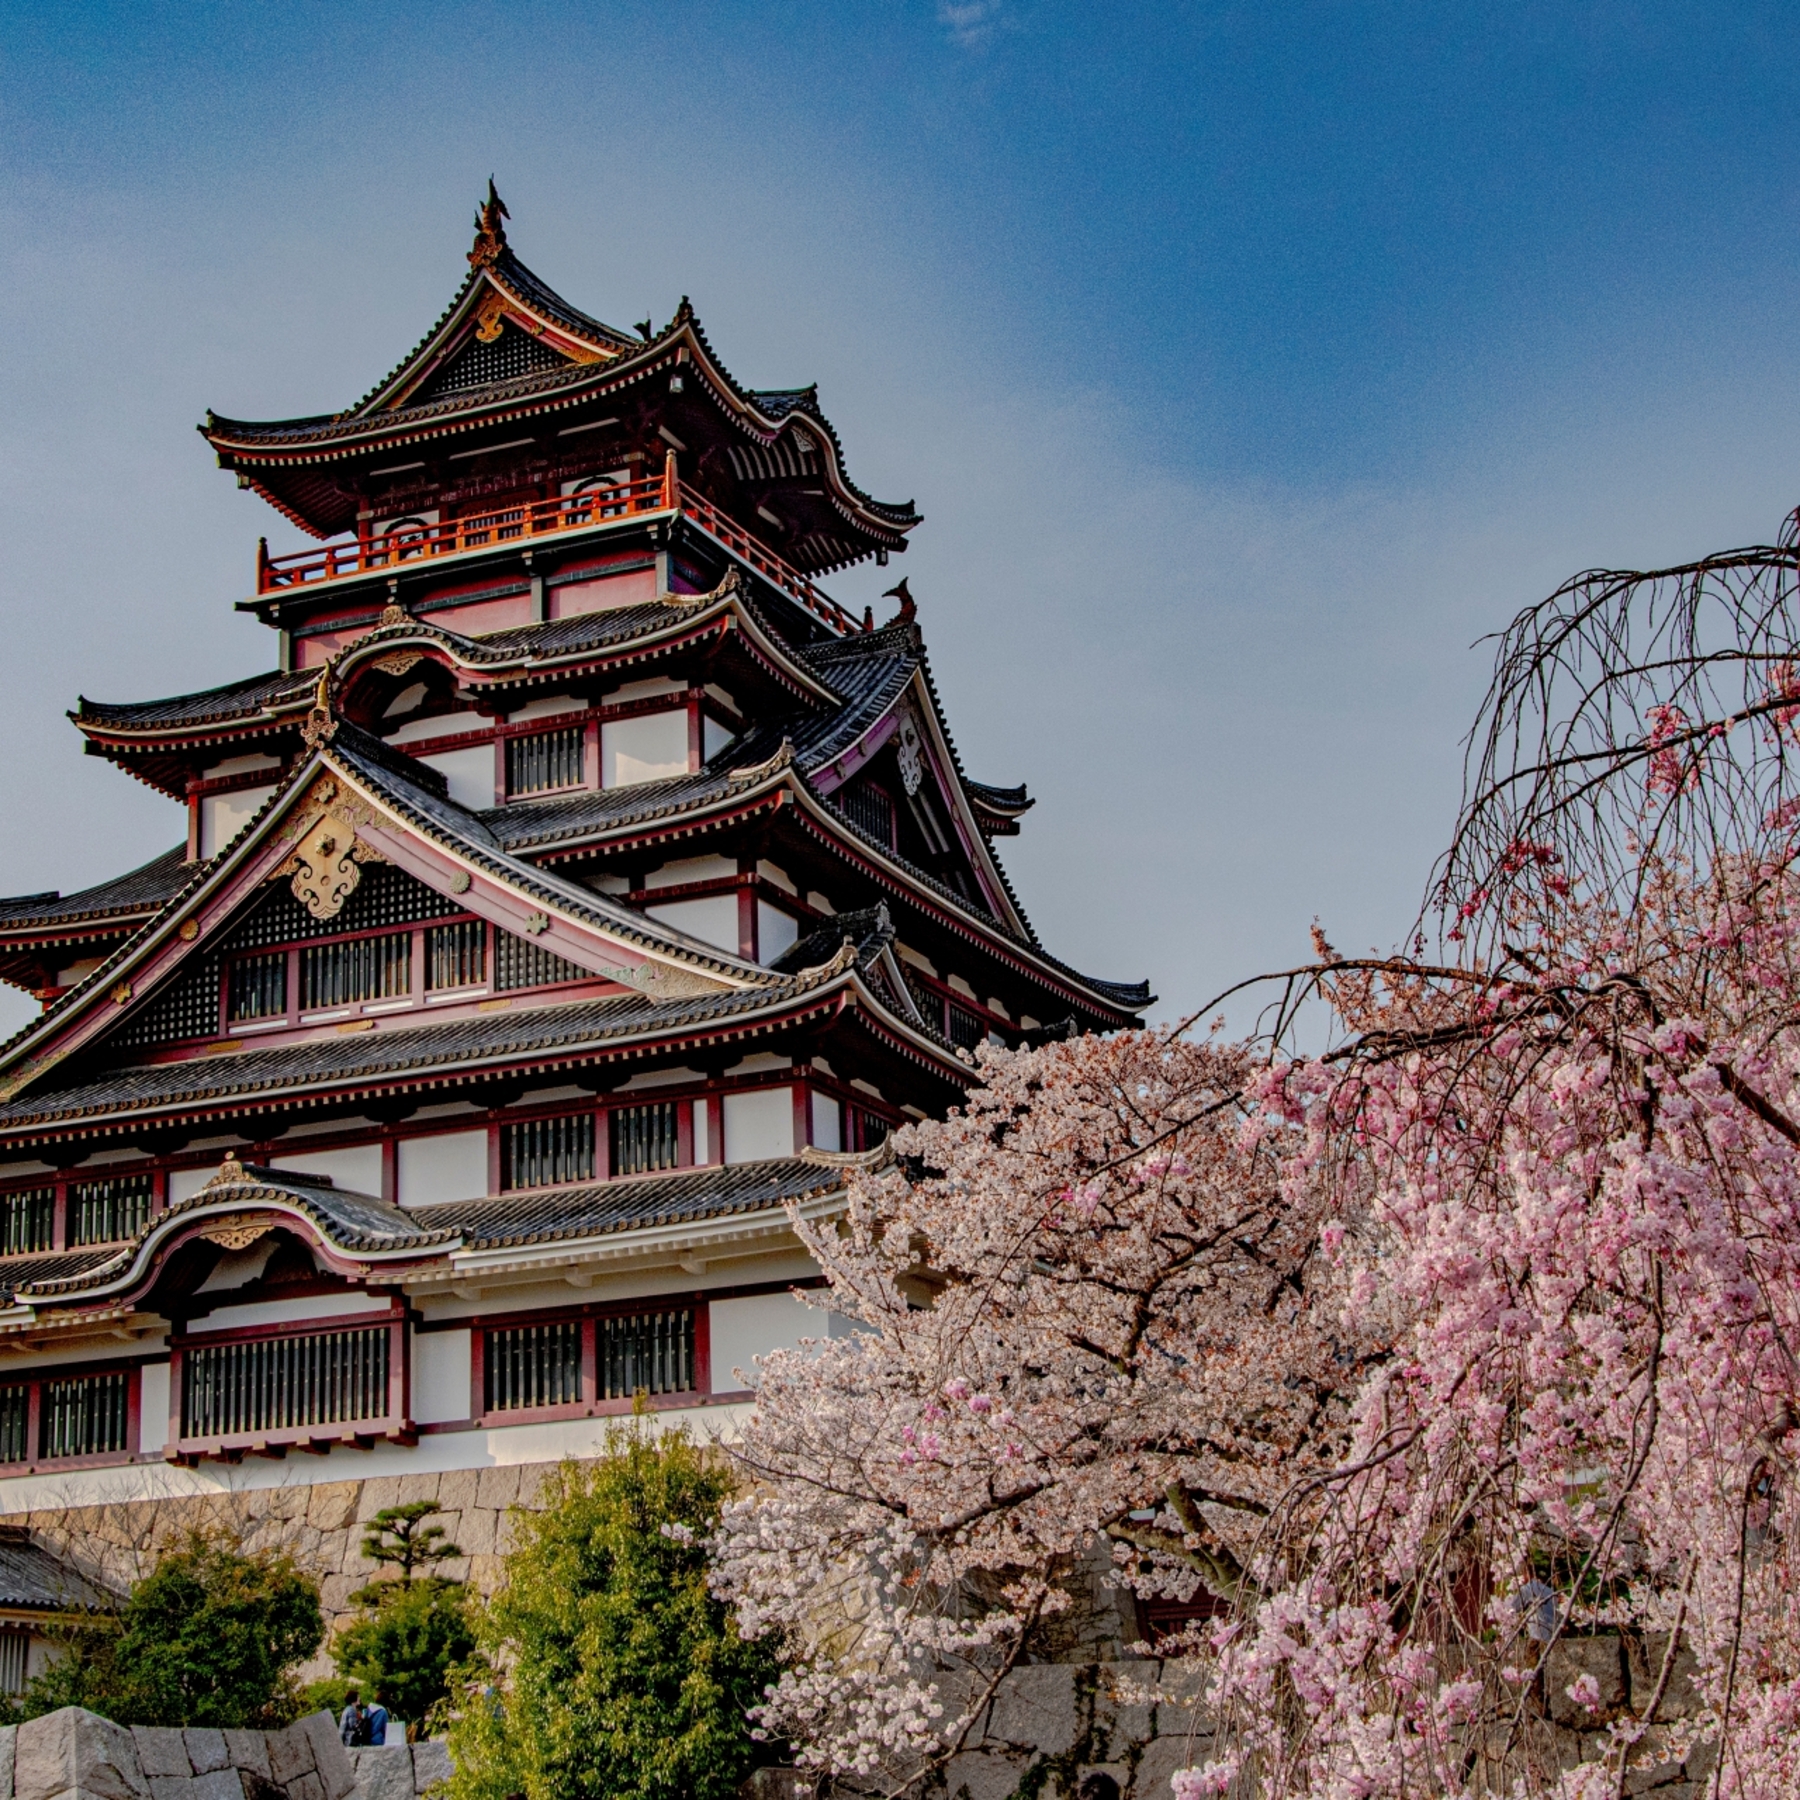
x=320 y=1525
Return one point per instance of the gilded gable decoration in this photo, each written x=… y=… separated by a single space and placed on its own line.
x=324 y=872
x=909 y=752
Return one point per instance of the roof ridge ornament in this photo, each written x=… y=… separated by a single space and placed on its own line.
x=321 y=723
x=780 y=760
x=490 y=234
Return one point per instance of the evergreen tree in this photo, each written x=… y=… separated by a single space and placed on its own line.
x=624 y=1676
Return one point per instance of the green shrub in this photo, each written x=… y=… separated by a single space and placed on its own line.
x=211 y=1636
x=623 y=1675
x=406 y=1644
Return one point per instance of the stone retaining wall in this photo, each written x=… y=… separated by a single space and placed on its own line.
x=320 y=1524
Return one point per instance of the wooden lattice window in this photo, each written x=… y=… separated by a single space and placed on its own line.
x=650 y=1352
x=519 y=963
x=27 y=1222
x=545 y=761
x=85 y=1415
x=456 y=955
x=532 y=1365
x=104 y=1212
x=255 y=1385
x=547 y=1152
x=645 y=1138
x=349 y=971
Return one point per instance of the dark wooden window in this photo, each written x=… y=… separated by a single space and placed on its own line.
x=27 y=1222
x=283 y=1383
x=547 y=1152
x=532 y=1365
x=645 y=1138
x=651 y=1353
x=519 y=963
x=258 y=988
x=349 y=971
x=85 y=1415
x=15 y=1424
x=102 y=1212
x=863 y=1130
x=15 y=1652
x=456 y=955
x=869 y=808
x=545 y=761
x=964 y=1028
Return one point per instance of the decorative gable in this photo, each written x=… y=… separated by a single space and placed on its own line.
x=486 y=359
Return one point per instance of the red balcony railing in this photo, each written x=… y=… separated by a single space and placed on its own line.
x=538 y=518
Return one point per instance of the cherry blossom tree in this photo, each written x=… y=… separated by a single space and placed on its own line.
x=1469 y=1334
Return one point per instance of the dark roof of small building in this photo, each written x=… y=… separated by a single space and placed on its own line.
x=144 y=890
x=33 y=1580
x=591 y=1209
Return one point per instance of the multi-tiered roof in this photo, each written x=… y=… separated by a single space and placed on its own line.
x=571 y=787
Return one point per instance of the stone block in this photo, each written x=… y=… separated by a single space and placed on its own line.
x=332 y=1505
x=1162 y=1757
x=476 y=1532
x=290 y=1756
x=306 y=1787
x=975 y=1775
x=431 y=1764
x=1037 y=1709
x=456 y=1489
x=486 y=1573
x=218 y=1784
x=249 y=1750
x=497 y=1489
x=206 y=1749
x=384 y=1772
x=173 y=1787
x=9 y=1737
x=75 y=1751
x=1644 y=1658
x=1572 y=1657
x=161 y=1750
x=330 y=1758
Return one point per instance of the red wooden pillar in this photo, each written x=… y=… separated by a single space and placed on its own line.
x=702 y=1345
x=696 y=733
x=802 y=1116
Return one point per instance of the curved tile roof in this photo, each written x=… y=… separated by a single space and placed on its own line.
x=145 y=889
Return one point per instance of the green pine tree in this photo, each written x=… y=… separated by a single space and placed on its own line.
x=624 y=1676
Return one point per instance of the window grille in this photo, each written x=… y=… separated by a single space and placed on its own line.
x=103 y=1212
x=864 y=1130
x=384 y=896
x=284 y=1383
x=85 y=1416
x=15 y=1646
x=644 y=1138
x=532 y=1365
x=345 y=972
x=551 y=759
x=870 y=809
x=648 y=1352
x=27 y=1221
x=456 y=955
x=190 y=1009
x=963 y=1028
x=258 y=987
x=519 y=963
x=15 y=1418
x=547 y=1152
x=512 y=354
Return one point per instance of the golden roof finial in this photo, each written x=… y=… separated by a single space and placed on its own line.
x=490 y=234
x=321 y=723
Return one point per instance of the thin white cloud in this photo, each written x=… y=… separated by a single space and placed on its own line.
x=972 y=23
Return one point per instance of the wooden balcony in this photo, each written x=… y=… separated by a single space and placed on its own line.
x=523 y=522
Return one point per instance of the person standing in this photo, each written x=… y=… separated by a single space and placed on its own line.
x=375 y=1720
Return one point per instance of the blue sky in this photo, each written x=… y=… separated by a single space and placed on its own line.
x=1247 y=361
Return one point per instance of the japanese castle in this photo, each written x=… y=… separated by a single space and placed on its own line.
x=578 y=896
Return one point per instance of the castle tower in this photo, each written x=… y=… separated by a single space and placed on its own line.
x=579 y=893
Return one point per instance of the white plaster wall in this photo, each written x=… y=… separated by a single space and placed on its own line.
x=713 y=920
x=357 y=1169
x=715 y=735
x=153 y=1420
x=470 y=773
x=827 y=1122
x=442 y=1363
x=646 y=749
x=184 y=1184
x=451 y=1165
x=691 y=868
x=743 y=1330
x=222 y=816
x=759 y=1124
x=702 y=1115
x=776 y=931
